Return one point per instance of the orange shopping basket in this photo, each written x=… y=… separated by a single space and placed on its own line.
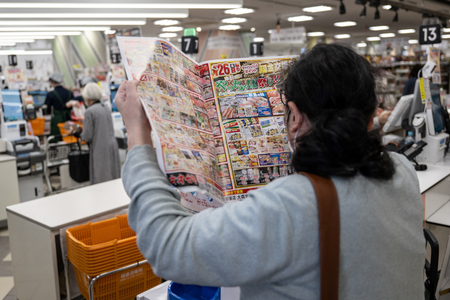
x=107 y=250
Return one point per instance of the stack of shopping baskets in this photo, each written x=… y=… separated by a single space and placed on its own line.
x=101 y=248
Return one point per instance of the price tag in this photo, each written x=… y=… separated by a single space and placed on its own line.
x=189 y=44
x=29 y=64
x=116 y=58
x=430 y=34
x=12 y=60
x=256 y=49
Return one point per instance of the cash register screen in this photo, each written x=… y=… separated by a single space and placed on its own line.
x=12 y=105
x=38 y=97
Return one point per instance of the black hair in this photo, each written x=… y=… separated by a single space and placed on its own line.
x=335 y=88
x=415 y=71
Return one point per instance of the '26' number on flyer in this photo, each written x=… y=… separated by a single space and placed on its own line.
x=224 y=69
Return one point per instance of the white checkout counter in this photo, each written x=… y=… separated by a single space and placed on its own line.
x=34 y=229
x=9 y=185
x=34 y=226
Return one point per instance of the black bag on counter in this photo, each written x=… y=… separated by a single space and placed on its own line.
x=79 y=164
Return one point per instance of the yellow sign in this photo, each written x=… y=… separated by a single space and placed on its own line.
x=422 y=91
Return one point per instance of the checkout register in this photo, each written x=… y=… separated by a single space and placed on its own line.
x=26 y=149
x=426 y=121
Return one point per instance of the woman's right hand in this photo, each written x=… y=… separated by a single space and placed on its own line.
x=133 y=114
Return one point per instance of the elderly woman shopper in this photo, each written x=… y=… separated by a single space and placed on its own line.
x=98 y=131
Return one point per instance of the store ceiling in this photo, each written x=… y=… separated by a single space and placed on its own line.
x=267 y=13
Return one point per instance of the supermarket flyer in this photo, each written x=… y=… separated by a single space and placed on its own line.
x=219 y=125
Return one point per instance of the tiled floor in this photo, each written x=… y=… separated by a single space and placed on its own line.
x=6 y=278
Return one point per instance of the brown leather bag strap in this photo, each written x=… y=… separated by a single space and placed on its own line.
x=329 y=231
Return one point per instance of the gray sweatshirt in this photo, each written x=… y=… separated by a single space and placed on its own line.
x=269 y=245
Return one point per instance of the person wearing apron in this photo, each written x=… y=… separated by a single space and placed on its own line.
x=59 y=100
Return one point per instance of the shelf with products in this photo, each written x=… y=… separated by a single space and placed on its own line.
x=402 y=69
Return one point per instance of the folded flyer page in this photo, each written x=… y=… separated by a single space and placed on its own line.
x=219 y=125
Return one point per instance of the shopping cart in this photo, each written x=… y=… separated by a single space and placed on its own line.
x=56 y=155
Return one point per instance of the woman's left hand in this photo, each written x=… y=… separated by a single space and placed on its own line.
x=133 y=114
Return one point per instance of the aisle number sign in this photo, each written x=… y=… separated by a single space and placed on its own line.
x=430 y=34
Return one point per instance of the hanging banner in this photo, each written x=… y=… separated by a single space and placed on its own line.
x=224 y=42
x=15 y=78
x=296 y=35
x=114 y=51
x=434 y=55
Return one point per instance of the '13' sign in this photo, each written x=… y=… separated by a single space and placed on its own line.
x=430 y=34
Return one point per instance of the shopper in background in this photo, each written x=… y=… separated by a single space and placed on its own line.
x=83 y=83
x=98 y=131
x=380 y=120
x=268 y=244
x=411 y=82
x=58 y=103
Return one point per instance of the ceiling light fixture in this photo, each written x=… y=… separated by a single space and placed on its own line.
x=342 y=8
x=60 y=29
x=406 y=31
x=120 y=4
x=446 y=36
x=269 y=31
x=413 y=41
x=26 y=52
x=258 y=39
x=373 y=38
x=80 y=13
x=253 y=29
x=110 y=32
x=395 y=19
x=71 y=22
x=316 y=9
x=14 y=40
x=198 y=29
x=168 y=35
x=345 y=24
x=239 y=11
x=166 y=22
x=172 y=29
x=377 y=13
x=317 y=33
x=363 y=12
x=234 y=20
x=7 y=43
x=342 y=36
x=379 y=28
x=300 y=18
x=47 y=33
x=361 y=45
x=90 y=15
x=31 y=37
x=387 y=35
x=230 y=27
x=386 y=7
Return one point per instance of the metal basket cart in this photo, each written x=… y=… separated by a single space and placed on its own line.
x=56 y=155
